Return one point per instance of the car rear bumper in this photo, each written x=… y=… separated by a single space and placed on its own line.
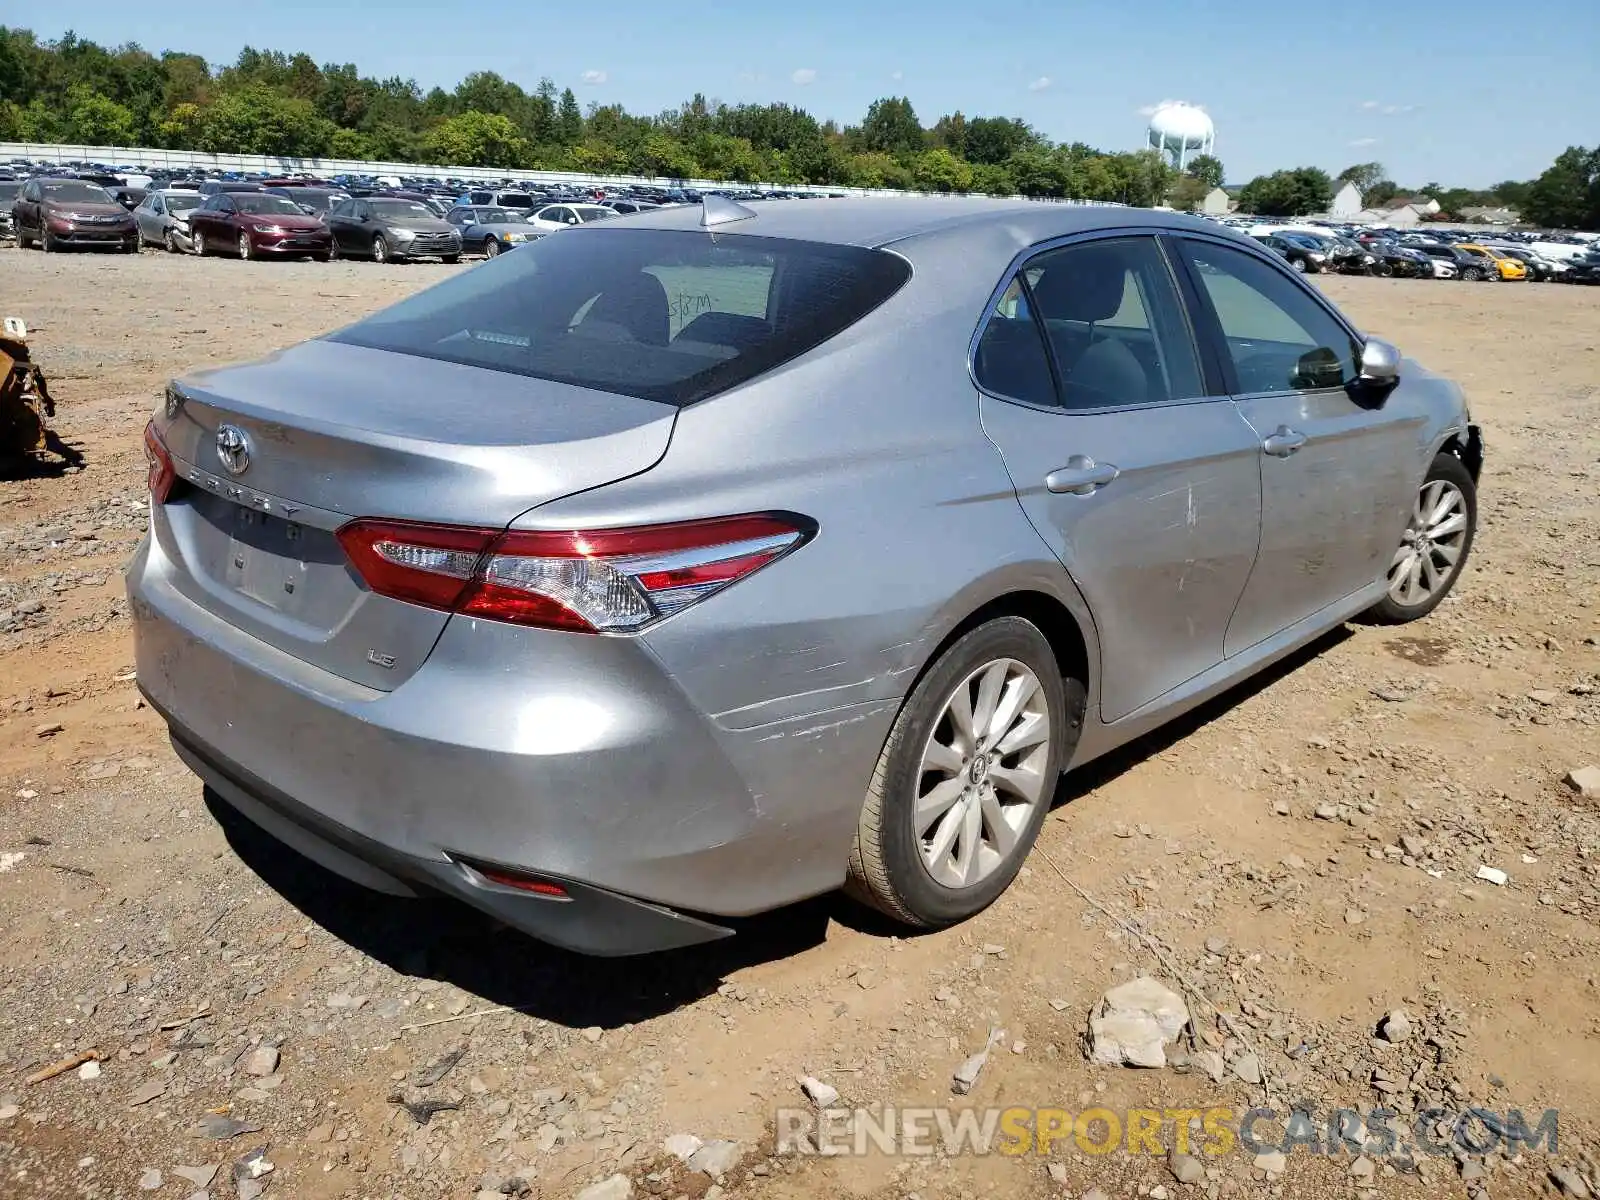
x=573 y=758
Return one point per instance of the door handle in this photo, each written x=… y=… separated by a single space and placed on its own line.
x=1081 y=476
x=1283 y=442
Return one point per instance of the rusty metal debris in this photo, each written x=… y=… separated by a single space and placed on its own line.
x=26 y=407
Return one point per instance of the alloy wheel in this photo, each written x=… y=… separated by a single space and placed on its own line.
x=380 y=249
x=171 y=242
x=1432 y=544
x=199 y=243
x=491 y=248
x=244 y=245
x=982 y=773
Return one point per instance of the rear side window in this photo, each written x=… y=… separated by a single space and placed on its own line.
x=667 y=315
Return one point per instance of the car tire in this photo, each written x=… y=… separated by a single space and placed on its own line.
x=974 y=837
x=198 y=241
x=1472 y=275
x=1298 y=265
x=333 y=250
x=1383 y=270
x=491 y=248
x=328 y=257
x=1435 y=545
x=170 y=240
x=244 y=247
x=46 y=242
x=380 y=249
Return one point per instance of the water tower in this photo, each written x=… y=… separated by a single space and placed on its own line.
x=1182 y=131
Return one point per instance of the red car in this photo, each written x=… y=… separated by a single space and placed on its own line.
x=257 y=225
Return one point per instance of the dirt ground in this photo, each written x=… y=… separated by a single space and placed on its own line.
x=1303 y=853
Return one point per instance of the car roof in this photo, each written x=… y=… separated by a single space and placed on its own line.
x=879 y=221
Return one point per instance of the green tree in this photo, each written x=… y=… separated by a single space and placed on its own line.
x=1363 y=175
x=891 y=127
x=1379 y=193
x=1187 y=193
x=1207 y=168
x=1290 y=193
x=96 y=121
x=992 y=180
x=992 y=140
x=569 y=120
x=1567 y=195
x=938 y=170
x=257 y=120
x=476 y=139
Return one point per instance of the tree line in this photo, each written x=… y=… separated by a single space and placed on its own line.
x=271 y=103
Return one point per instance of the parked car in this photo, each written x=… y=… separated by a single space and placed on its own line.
x=488 y=230
x=1300 y=255
x=129 y=197
x=163 y=218
x=1391 y=258
x=561 y=216
x=10 y=189
x=57 y=212
x=1584 y=268
x=698 y=609
x=390 y=229
x=257 y=225
x=523 y=202
x=1540 y=270
x=211 y=187
x=313 y=201
x=1504 y=265
x=1470 y=267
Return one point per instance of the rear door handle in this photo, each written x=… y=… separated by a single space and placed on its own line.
x=1081 y=476
x=1283 y=442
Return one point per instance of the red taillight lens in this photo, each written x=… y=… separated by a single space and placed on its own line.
x=161 y=475
x=523 y=883
x=600 y=581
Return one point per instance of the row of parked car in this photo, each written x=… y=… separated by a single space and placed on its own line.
x=1473 y=257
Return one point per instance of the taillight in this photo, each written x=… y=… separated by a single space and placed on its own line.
x=598 y=581
x=161 y=474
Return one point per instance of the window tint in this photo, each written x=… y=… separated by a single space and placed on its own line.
x=1114 y=324
x=1278 y=336
x=667 y=315
x=1011 y=359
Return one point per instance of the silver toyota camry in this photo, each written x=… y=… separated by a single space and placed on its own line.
x=696 y=562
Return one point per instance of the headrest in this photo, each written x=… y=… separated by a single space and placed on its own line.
x=1085 y=283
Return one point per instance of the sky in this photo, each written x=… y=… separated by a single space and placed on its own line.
x=1466 y=94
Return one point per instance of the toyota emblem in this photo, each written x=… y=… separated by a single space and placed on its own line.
x=233 y=449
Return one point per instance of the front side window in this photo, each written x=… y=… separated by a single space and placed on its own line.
x=1277 y=335
x=666 y=315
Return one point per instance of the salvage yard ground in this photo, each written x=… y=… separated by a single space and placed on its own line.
x=1305 y=851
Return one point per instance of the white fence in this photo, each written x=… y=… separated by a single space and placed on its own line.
x=147 y=156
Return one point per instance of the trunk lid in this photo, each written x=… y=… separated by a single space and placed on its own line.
x=334 y=432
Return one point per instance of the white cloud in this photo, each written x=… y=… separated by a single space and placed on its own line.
x=1039 y=84
x=1388 y=110
x=1359 y=142
x=1149 y=110
x=1370 y=104
x=594 y=78
x=897 y=76
x=804 y=76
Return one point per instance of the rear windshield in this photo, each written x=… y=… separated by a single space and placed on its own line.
x=667 y=315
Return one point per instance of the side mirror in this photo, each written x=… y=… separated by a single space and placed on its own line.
x=1380 y=365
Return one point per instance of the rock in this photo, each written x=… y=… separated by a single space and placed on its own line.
x=1396 y=1026
x=866 y=979
x=966 y=1075
x=318 y=1134
x=1570 y=1183
x=1354 y=916
x=147 y=1092
x=341 y=1001
x=1135 y=1022
x=682 y=1146
x=1272 y=1162
x=1585 y=781
x=1211 y=1063
x=1326 y=812
x=263 y=1060
x=1248 y=1067
x=220 y=1128
x=1185 y=1168
x=8 y=1112
x=201 y=1177
x=593 y=1034
x=50 y=729
x=1159 y=1192
x=1216 y=944
x=439 y=1067
x=1411 y=844
x=1493 y=875
x=91 y=1070
x=1390 y=695
x=1543 y=697
x=618 y=1187
x=150 y=1181
x=1362 y=1168
x=715 y=1158
x=1058 y=1172
x=1095 y=1194
x=823 y=1095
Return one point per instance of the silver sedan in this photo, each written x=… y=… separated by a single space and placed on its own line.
x=682 y=567
x=163 y=218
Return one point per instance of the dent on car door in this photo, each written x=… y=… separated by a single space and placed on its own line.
x=1336 y=467
x=1140 y=476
